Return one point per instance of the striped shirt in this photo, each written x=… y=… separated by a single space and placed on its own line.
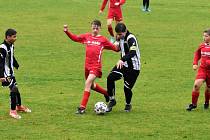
x=130 y=53
x=7 y=60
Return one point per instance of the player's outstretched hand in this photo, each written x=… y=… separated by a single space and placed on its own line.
x=120 y=64
x=3 y=79
x=100 y=12
x=65 y=28
x=195 y=67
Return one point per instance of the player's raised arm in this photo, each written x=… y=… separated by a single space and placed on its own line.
x=71 y=35
x=109 y=46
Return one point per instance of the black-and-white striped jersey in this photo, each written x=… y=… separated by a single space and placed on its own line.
x=7 y=60
x=130 y=53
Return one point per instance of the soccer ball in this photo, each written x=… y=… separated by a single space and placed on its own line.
x=100 y=108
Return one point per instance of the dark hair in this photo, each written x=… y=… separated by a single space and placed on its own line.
x=10 y=32
x=120 y=27
x=207 y=31
x=96 y=22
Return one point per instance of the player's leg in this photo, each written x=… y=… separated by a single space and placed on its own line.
x=118 y=15
x=88 y=83
x=113 y=76
x=14 y=90
x=195 y=94
x=13 y=100
x=130 y=77
x=207 y=97
x=147 y=6
x=96 y=87
x=144 y=5
x=110 y=18
x=110 y=29
x=207 y=93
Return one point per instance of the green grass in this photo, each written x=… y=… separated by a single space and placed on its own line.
x=51 y=77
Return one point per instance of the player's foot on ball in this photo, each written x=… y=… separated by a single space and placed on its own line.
x=22 y=108
x=80 y=110
x=106 y=98
x=128 y=107
x=206 y=106
x=191 y=107
x=13 y=114
x=110 y=105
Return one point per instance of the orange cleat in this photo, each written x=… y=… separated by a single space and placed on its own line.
x=13 y=114
x=22 y=108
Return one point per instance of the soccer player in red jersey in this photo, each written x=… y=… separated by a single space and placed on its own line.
x=203 y=74
x=95 y=43
x=114 y=13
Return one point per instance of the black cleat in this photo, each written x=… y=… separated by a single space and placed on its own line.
x=206 y=106
x=106 y=98
x=110 y=105
x=128 y=107
x=80 y=110
x=191 y=107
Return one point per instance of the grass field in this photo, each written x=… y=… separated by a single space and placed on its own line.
x=51 y=77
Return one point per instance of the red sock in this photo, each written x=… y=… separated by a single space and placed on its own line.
x=85 y=98
x=195 y=96
x=207 y=96
x=110 y=30
x=100 y=90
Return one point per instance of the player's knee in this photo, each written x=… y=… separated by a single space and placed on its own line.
x=196 y=87
x=110 y=78
x=14 y=89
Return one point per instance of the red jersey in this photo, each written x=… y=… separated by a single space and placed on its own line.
x=112 y=4
x=203 y=53
x=94 y=48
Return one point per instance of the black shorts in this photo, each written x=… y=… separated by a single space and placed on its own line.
x=130 y=75
x=11 y=81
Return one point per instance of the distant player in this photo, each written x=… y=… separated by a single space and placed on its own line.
x=146 y=6
x=114 y=13
x=203 y=74
x=95 y=43
x=127 y=68
x=7 y=77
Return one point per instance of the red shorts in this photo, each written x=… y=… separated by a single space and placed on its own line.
x=115 y=13
x=204 y=74
x=97 y=72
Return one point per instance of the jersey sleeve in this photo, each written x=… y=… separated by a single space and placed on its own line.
x=103 y=5
x=2 y=61
x=109 y=46
x=132 y=44
x=197 y=56
x=76 y=38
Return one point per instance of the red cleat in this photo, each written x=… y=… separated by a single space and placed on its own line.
x=22 y=108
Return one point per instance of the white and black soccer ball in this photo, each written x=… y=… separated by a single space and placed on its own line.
x=100 y=108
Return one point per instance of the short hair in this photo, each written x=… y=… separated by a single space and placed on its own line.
x=120 y=27
x=10 y=32
x=207 y=31
x=96 y=22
